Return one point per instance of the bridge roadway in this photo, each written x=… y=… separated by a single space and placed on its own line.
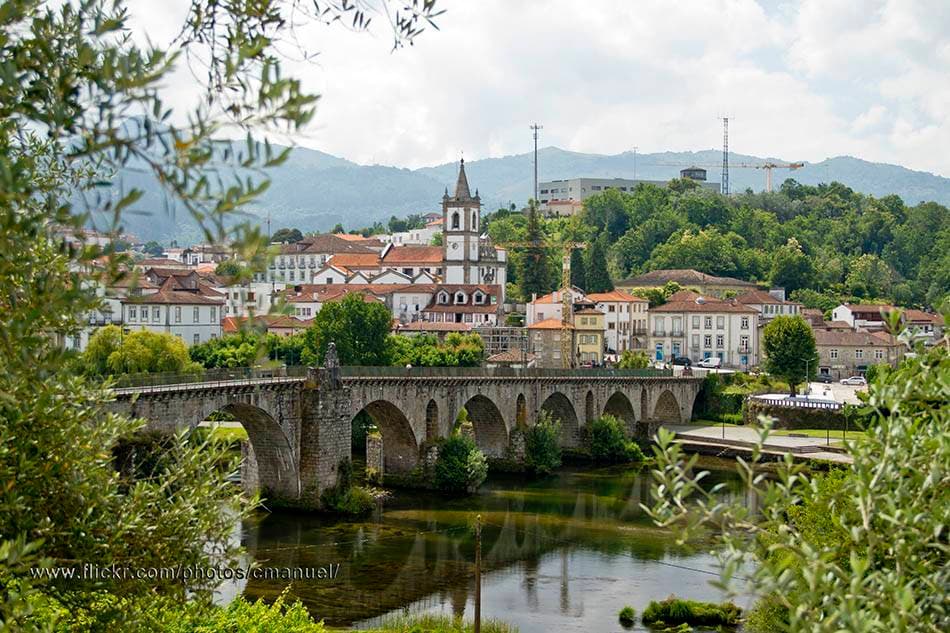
x=299 y=420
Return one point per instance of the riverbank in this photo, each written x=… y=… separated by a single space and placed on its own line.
x=729 y=441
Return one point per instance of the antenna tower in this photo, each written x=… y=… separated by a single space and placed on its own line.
x=534 y=128
x=725 y=155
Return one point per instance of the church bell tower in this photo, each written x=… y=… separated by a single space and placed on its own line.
x=460 y=227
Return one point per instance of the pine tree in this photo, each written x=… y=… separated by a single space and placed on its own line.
x=535 y=275
x=598 y=279
x=578 y=269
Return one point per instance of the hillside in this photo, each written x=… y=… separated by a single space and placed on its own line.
x=313 y=190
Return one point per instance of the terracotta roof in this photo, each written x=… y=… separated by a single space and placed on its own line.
x=133 y=280
x=555 y=297
x=869 y=307
x=161 y=261
x=683 y=276
x=852 y=338
x=182 y=297
x=233 y=324
x=757 y=297
x=413 y=255
x=687 y=301
x=511 y=356
x=429 y=326
x=463 y=308
x=836 y=325
x=614 y=295
x=324 y=243
x=353 y=261
x=551 y=324
x=919 y=316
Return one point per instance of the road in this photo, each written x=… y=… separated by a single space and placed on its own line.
x=846 y=394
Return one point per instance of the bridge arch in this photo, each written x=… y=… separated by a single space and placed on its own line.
x=560 y=408
x=271 y=450
x=491 y=432
x=400 y=446
x=619 y=406
x=521 y=412
x=667 y=409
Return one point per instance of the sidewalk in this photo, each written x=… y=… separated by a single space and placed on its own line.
x=742 y=439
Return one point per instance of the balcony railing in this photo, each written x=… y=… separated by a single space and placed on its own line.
x=659 y=332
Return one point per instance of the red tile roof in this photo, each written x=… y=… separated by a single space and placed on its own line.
x=354 y=261
x=426 y=255
x=284 y=321
x=551 y=324
x=687 y=301
x=614 y=295
x=511 y=356
x=852 y=338
x=683 y=276
x=760 y=297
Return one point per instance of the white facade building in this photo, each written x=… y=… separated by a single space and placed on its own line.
x=191 y=316
x=698 y=327
x=625 y=320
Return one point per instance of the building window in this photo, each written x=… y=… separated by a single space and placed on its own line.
x=744 y=343
x=156 y=314
x=443 y=298
x=695 y=341
x=214 y=314
x=474 y=220
x=132 y=313
x=707 y=323
x=707 y=340
x=720 y=340
x=455 y=220
x=611 y=326
x=194 y=315
x=859 y=354
x=177 y=314
x=720 y=322
x=833 y=354
x=196 y=338
x=695 y=322
x=745 y=323
x=879 y=354
x=459 y=297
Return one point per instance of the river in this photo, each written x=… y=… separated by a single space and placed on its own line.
x=563 y=553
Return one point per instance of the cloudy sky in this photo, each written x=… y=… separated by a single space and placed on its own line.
x=801 y=80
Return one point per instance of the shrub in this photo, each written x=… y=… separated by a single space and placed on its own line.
x=345 y=498
x=767 y=615
x=627 y=616
x=461 y=467
x=675 y=611
x=609 y=442
x=542 y=445
x=430 y=623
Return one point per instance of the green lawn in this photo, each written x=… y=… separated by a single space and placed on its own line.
x=229 y=434
x=821 y=433
x=701 y=422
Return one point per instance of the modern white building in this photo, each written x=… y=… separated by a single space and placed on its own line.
x=867 y=316
x=552 y=192
x=698 y=327
x=193 y=315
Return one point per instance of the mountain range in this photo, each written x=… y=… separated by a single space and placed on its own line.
x=313 y=190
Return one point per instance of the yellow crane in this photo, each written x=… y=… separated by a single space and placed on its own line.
x=567 y=303
x=767 y=166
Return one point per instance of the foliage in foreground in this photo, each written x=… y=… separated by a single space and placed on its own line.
x=627 y=616
x=673 y=611
x=461 y=466
x=609 y=443
x=438 y=624
x=543 y=445
x=861 y=550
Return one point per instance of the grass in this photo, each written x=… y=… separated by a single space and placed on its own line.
x=229 y=434
x=820 y=433
x=627 y=616
x=704 y=422
x=438 y=624
x=674 y=611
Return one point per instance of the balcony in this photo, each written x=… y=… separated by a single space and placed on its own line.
x=677 y=333
x=743 y=349
x=659 y=333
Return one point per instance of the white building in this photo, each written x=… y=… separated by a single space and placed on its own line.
x=193 y=315
x=769 y=305
x=625 y=320
x=698 y=327
x=867 y=316
x=297 y=263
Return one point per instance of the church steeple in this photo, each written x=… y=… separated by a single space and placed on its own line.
x=462 y=191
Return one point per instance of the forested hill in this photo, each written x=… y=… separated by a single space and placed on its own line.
x=823 y=244
x=314 y=191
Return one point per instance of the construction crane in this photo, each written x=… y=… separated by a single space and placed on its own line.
x=768 y=167
x=567 y=303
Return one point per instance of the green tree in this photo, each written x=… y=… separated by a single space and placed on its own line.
x=861 y=548
x=791 y=268
x=150 y=352
x=790 y=352
x=543 y=445
x=357 y=327
x=534 y=275
x=869 y=276
x=598 y=279
x=607 y=213
x=578 y=269
x=154 y=249
x=436 y=240
x=633 y=360
x=461 y=466
x=102 y=344
x=287 y=236
x=229 y=268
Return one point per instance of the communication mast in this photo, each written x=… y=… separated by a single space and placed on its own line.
x=534 y=128
x=725 y=155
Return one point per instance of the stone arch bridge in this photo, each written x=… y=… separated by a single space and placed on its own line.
x=299 y=420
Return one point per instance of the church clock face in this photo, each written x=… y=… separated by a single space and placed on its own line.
x=455 y=245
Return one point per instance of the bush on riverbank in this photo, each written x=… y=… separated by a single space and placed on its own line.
x=347 y=498
x=627 y=616
x=673 y=611
x=543 y=445
x=438 y=624
x=609 y=442
x=461 y=466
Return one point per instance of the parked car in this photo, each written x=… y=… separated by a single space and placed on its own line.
x=825 y=378
x=712 y=362
x=682 y=360
x=854 y=380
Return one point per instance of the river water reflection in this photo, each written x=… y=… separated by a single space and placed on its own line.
x=559 y=554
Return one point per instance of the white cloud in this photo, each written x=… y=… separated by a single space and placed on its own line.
x=803 y=81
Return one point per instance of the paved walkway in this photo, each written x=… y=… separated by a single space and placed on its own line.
x=741 y=438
